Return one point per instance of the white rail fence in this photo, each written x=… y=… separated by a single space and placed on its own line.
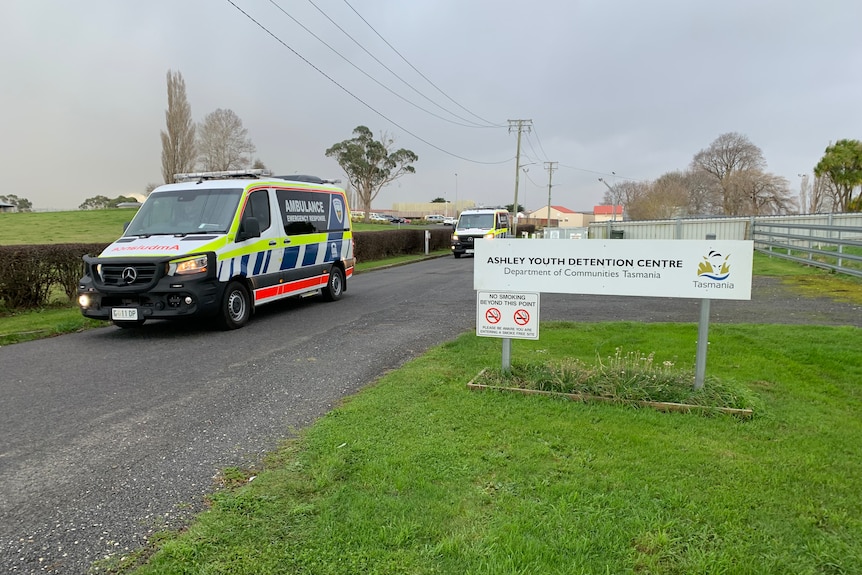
x=829 y=241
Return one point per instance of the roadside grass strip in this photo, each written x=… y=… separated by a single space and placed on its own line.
x=416 y=474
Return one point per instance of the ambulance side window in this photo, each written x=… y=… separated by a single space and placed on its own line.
x=258 y=207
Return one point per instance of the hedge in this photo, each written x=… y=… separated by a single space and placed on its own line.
x=30 y=273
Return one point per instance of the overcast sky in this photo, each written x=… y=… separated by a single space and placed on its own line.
x=614 y=89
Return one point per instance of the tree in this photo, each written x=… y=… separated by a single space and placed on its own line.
x=511 y=211
x=178 y=140
x=371 y=164
x=21 y=204
x=95 y=203
x=728 y=154
x=438 y=201
x=223 y=143
x=624 y=194
x=103 y=202
x=666 y=198
x=841 y=164
x=758 y=193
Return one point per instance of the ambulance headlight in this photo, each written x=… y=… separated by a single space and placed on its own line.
x=195 y=265
x=489 y=236
x=454 y=237
x=84 y=300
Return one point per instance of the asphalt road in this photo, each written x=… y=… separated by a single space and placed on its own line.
x=109 y=435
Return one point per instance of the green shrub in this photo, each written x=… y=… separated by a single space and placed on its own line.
x=30 y=272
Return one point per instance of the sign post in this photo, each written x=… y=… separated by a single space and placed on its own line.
x=701 y=269
x=507 y=315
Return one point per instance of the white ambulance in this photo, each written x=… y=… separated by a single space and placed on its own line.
x=218 y=244
x=479 y=223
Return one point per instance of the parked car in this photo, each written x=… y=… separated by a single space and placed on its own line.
x=397 y=220
x=434 y=219
x=449 y=220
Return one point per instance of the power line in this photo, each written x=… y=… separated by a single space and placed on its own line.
x=354 y=96
x=366 y=74
x=611 y=174
x=470 y=124
x=490 y=124
x=544 y=154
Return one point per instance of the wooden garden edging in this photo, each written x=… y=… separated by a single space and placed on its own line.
x=658 y=405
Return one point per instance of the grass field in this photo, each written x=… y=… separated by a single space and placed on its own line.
x=87 y=226
x=419 y=475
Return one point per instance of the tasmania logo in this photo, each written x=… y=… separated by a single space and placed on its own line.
x=714 y=266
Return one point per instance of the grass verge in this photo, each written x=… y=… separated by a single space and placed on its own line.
x=418 y=475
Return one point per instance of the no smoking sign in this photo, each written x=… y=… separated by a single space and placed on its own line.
x=507 y=314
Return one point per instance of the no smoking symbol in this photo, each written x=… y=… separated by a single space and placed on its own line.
x=522 y=317
x=493 y=315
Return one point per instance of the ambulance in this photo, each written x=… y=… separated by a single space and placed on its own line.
x=478 y=223
x=219 y=244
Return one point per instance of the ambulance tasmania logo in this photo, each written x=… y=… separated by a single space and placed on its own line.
x=714 y=266
x=339 y=209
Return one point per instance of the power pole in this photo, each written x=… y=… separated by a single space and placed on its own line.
x=550 y=166
x=521 y=125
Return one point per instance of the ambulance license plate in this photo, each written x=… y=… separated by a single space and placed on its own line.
x=124 y=313
x=469 y=251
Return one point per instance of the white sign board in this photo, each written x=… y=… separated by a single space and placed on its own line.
x=507 y=315
x=702 y=269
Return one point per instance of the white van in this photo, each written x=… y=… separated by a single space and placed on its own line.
x=219 y=244
x=479 y=223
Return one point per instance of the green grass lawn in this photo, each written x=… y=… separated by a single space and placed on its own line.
x=86 y=226
x=419 y=475
x=81 y=226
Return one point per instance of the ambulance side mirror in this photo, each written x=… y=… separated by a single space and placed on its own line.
x=249 y=228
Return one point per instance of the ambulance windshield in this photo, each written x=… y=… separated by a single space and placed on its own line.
x=481 y=221
x=182 y=212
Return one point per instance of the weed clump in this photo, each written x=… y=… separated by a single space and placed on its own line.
x=624 y=376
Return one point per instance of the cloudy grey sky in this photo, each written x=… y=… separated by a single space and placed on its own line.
x=626 y=87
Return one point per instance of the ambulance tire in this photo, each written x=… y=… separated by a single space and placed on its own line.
x=236 y=306
x=129 y=324
x=335 y=286
x=457 y=255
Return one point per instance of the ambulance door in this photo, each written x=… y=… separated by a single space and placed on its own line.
x=264 y=259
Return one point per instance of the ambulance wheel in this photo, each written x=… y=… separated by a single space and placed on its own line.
x=129 y=324
x=235 y=307
x=457 y=255
x=335 y=286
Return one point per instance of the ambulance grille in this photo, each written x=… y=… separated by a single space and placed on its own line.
x=119 y=274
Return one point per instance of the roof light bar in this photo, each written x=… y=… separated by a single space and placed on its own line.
x=226 y=174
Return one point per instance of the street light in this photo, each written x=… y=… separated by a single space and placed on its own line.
x=614 y=199
x=456 y=194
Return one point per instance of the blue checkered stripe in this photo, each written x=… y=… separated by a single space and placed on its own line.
x=294 y=257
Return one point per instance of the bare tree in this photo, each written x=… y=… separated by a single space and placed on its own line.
x=628 y=194
x=178 y=140
x=728 y=154
x=704 y=193
x=223 y=143
x=665 y=198
x=762 y=194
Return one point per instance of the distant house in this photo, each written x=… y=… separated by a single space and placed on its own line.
x=605 y=213
x=4 y=207
x=565 y=217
